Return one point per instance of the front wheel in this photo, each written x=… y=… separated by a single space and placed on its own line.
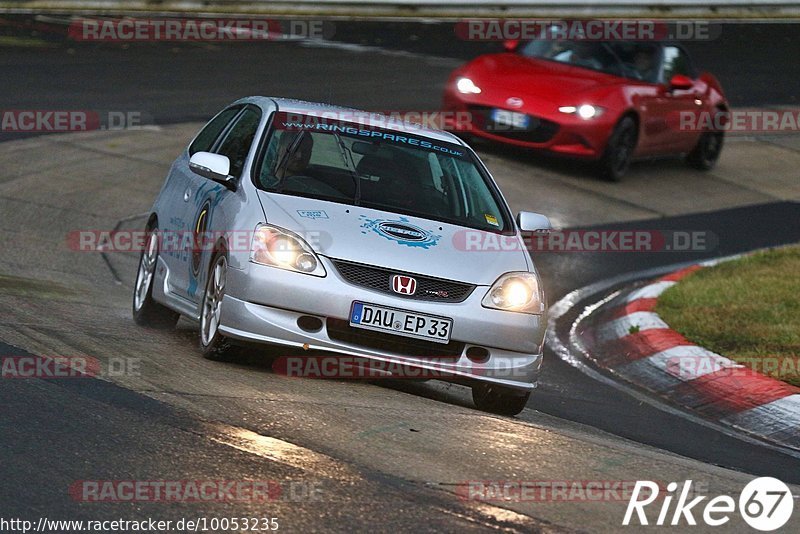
x=499 y=399
x=146 y=311
x=618 y=154
x=214 y=345
x=706 y=152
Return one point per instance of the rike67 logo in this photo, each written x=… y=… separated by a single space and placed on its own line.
x=765 y=504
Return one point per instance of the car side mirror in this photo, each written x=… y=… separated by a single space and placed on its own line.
x=214 y=167
x=679 y=81
x=533 y=222
x=511 y=45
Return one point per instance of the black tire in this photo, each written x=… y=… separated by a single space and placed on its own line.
x=706 y=152
x=213 y=344
x=619 y=152
x=146 y=311
x=499 y=399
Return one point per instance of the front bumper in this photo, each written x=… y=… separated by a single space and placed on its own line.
x=263 y=304
x=553 y=131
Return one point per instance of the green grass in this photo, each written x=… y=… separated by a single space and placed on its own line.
x=747 y=310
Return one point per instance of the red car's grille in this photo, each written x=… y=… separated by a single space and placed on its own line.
x=538 y=131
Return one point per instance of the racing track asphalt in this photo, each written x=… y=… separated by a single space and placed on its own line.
x=174 y=84
x=182 y=82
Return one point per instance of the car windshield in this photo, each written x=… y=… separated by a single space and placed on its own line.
x=401 y=172
x=640 y=61
x=585 y=54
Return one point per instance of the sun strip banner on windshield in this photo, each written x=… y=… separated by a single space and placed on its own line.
x=360 y=125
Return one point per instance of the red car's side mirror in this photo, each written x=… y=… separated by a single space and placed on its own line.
x=511 y=45
x=679 y=81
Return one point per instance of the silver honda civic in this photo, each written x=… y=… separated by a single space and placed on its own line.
x=343 y=232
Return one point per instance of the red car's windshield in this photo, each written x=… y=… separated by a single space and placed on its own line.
x=639 y=61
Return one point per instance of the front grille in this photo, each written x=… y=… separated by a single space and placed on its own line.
x=380 y=279
x=538 y=131
x=340 y=330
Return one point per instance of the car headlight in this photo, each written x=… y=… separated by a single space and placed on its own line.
x=279 y=248
x=467 y=86
x=584 y=111
x=518 y=292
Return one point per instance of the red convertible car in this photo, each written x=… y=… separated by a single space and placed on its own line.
x=610 y=102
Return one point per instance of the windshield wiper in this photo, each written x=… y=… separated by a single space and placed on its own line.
x=351 y=167
x=285 y=159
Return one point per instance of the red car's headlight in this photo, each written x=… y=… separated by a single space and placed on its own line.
x=584 y=111
x=467 y=86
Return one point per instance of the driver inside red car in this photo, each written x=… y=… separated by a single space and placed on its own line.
x=644 y=61
x=583 y=55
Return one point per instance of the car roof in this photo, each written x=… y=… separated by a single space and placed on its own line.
x=370 y=118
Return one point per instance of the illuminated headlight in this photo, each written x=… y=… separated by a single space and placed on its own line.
x=467 y=86
x=584 y=111
x=277 y=247
x=519 y=292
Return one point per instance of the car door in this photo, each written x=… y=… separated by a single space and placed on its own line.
x=176 y=220
x=211 y=205
x=677 y=62
x=664 y=108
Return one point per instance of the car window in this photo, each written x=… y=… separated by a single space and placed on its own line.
x=585 y=54
x=394 y=171
x=676 y=61
x=239 y=139
x=208 y=135
x=640 y=61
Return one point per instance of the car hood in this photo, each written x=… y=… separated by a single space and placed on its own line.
x=501 y=76
x=401 y=242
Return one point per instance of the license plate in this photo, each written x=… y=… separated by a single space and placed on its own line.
x=400 y=322
x=504 y=117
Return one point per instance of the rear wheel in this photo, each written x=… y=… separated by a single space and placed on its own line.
x=706 y=152
x=617 y=158
x=146 y=311
x=499 y=399
x=214 y=345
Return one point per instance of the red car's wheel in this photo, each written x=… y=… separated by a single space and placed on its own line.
x=706 y=152
x=617 y=157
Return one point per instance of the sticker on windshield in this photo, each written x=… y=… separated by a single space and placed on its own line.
x=312 y=123
x=491 y=219
x=400 y=231
x=313 y=214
